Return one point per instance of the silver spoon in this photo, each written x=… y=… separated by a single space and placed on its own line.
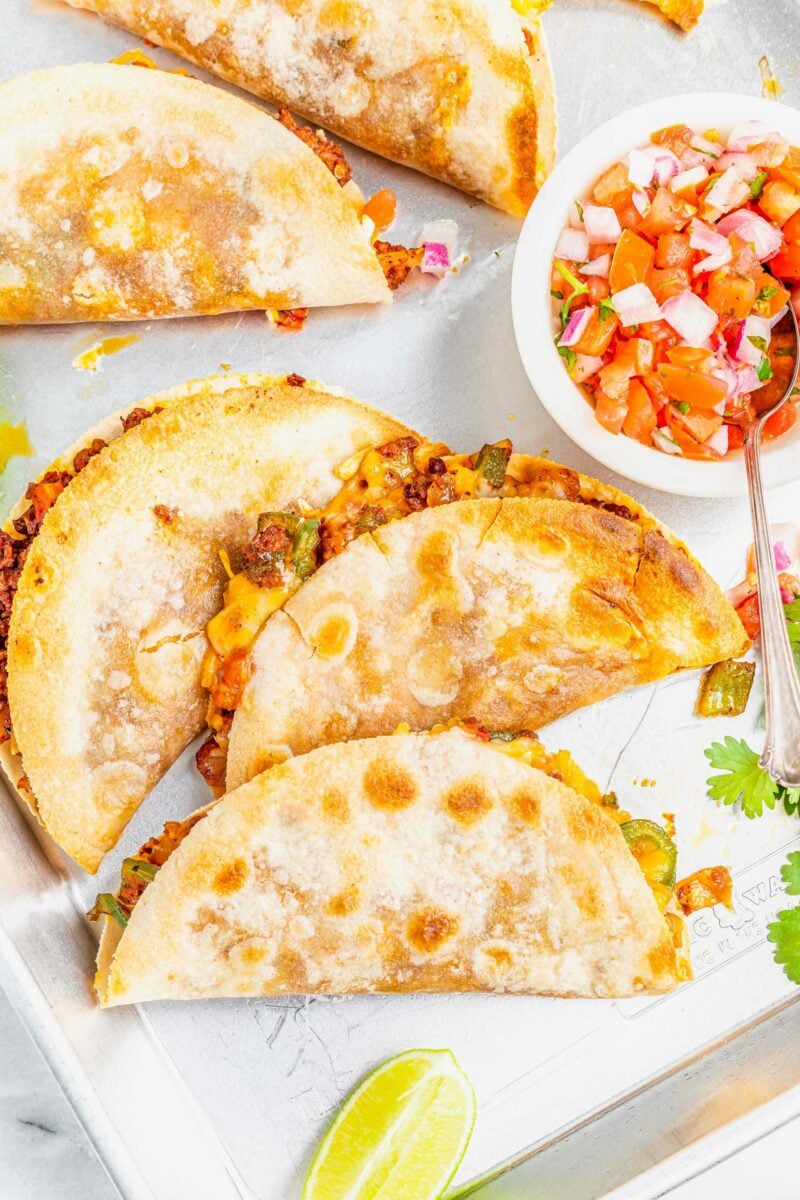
x=781 y=757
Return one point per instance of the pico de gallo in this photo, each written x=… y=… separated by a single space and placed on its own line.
x=671 y=285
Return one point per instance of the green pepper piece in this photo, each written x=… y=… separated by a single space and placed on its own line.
x=139 y=868
x=285 y=520
x=645 y=836
x=304 y=548
x=108 y=906
x=725 y=689
x=492 y=462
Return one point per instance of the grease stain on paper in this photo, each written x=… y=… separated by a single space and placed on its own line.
x=14 y=443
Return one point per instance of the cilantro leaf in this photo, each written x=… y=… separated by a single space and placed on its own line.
x=606 y=308
x=579 y=207
x=569 y=356
x=784 y=933
x=790 y=874
x=744 y=781
x=759 y=343
x=768 y=291
x=764 y=370
x=757 y=184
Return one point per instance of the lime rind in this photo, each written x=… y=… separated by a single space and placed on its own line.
x=399 y=1131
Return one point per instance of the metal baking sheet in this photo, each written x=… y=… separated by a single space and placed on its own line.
x=226 y=1100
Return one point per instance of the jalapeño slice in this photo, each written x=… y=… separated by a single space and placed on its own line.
x=654 y=850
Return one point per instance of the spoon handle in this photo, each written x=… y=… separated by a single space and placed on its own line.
x=781 y=755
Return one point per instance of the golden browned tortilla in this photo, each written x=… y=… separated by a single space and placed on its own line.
x=459 y=89
x=514 y=611
x=413 y=863
x=128 y=193
x=108 y=621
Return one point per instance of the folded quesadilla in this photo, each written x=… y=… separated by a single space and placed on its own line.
x=459 y=89
x=589 y=595
x=127 y=194
x=413 y=863
x=111 y=568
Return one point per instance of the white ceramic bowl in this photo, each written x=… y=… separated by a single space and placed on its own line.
x=531 y=301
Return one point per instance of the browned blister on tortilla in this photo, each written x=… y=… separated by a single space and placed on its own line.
x=413 y=863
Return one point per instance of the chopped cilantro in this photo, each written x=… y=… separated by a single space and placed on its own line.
x=784 y=933
x=683 y=407
x=556 y=295
x=569 y=356
x=767 y=292
x=707 y=186
x=759 y=343
x=745 y=780
x=703 y=150
x=790 y=873
x=757 y=184
x=606 y=308
x=783 y=352
x=764 y=370
x=579 y=207
x=578 y=288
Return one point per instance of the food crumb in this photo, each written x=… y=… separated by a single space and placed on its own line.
x=90 y=360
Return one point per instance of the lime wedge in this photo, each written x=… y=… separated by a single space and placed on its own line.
x=401 y=1133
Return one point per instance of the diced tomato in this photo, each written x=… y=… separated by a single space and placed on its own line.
x=691 y=356
x=640 y=420
x=735 y=437
x=673 y=250
x=659 y=333
x=611 y=184
x=615 y=379
x=677 y=138
x=689 y=386
x=745 y=260
x=786 y=263
x=667 y=213
x=690 y=446
x=381 y=208
x=791 y=230
x=749 y=613
x=667 y=282
x=632 y=260
x=779 y=201
x=656 y=390
x=730 y=295
x=609 y=412
x=780 y=421
x=700 y=423
x=628 y=214
x=598 y=335
x=601 y=248
x=770 y=296
x=598 y=288
x=636 y=354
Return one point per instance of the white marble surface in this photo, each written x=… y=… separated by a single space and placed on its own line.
x=44 y=1154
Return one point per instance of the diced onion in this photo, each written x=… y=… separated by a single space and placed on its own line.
x=575 y=327
x=728 y=191
x=750 y=227
x=435 y=259
x=689 y=179
x=666 y=167
x=743 y=350
x=573 y=244
x=445 y=232
x=783 y=560
x=575 y=218
x=662 y=441
x=641 y=203
x=747 y=134
x=585 y=365
x=719 y=441
x=748 y=380
x=599 y=266
x=636 y=305
x=690 y=316
x=640 y=168
x=602 y=224
x=703 y=237
x=742 y=163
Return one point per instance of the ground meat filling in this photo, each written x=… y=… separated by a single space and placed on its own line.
x=397 y=262
x=326 y=151
x=14 y=547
